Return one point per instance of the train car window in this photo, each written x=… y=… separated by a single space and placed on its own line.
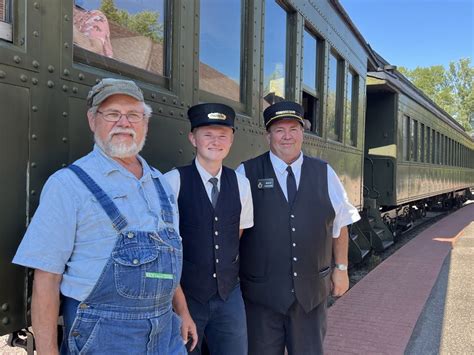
x=433 y=146
x=428 y=144
x=352 y=95
x=413 y=139
x=311 y=77
x=275 y=48
x=6 y=32
x=220 y=43
x=334 y=104
x=406 y=138
x=126 y=31
x=422 y=143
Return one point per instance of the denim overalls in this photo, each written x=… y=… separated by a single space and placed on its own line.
x=129 y=309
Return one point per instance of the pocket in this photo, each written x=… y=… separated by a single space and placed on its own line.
x=83 y=334
x=144 y=271
x=324 y=272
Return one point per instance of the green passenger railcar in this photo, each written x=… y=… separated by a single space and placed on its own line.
x=240 y=52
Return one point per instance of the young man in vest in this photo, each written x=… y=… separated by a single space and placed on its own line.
x=215 y=205
x=301 y=210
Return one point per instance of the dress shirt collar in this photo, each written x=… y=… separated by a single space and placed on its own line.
x=205 y=176
x=108 y=165
x=280 y=166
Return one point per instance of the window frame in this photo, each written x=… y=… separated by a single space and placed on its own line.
x=339 y=100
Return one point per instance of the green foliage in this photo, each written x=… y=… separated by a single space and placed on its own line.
x=451 y=88
x=144 y=23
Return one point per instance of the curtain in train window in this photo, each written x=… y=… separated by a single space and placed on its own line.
x=351 y=108
x=310 y=92
x=274 y=70
x=6 y=20
x=406 y=138
x=129 y=31
x=334 y=97
x=220 y=52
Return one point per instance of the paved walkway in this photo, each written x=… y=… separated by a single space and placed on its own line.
x=379 y=314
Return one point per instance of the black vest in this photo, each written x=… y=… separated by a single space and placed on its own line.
x=210 y=237
x=287 y=255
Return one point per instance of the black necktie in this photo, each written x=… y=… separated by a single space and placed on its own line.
x=214 y=191
x=290 y=185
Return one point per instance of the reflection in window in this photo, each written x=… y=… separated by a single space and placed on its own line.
x=351 y=107
x=413 y=140
x=433 y=146
x=421 y=150
x=274 y=54
x=333 y=104
x=129 y=31
x=219 y=49
x=310 y=82
x=428 y=145
x=6 y=20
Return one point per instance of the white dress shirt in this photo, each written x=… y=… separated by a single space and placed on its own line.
x=345 y=213
x=246 y=214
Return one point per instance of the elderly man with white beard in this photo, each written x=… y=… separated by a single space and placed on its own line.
x=104 y=241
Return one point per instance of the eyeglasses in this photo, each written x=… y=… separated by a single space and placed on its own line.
x=115 y=116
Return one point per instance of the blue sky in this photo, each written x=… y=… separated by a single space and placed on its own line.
x=413 y=33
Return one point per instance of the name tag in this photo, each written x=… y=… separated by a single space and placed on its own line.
x=265 y=183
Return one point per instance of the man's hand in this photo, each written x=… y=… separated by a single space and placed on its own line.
x=188 y=330
x=339 y=282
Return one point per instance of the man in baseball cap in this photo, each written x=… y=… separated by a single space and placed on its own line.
x=105 y=238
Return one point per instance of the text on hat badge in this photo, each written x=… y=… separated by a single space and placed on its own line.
x=216 y=116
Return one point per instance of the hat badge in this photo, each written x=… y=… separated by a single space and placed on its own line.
x=286 y=112
x=216 y=116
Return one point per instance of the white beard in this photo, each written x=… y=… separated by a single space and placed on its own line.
x=122 y=149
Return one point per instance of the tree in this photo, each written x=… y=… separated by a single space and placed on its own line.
x=451 y=88
x=144 y=23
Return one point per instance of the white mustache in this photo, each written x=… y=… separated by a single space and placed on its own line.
x=118 y=130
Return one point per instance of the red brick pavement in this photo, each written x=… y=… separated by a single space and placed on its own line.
x=378 y=315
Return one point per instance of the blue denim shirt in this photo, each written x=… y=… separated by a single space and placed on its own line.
x=70 y=233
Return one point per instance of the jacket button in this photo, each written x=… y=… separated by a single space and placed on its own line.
x=295 y=274
x=214 y=275
x=217 y=246
x=295 y=258
x=293 y=229
x=217 y=261
x=292 y=216
x=294 y=244
x=130 y=235
x=216 y=233
x=83 y=306
x=216 y=219
x=135 y=261
x=75 y=333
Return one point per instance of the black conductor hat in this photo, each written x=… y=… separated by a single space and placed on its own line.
x=283 y=110
x=211 y=114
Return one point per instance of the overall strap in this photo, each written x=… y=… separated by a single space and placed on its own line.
x=166 y=209
x=118 y=221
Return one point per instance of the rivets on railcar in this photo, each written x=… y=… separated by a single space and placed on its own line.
x=175 y=102
x=183 y=103
x=66 y=72
x=34 y=108
x=160 y=109
x=35 y=34
x=81 y=76
x=180 y=151
x=97 y=80
x=36 y=5
x=5 y=307
x=63 y=165
x=34 y=81
x=2 y=74
x=75 y=90
x=17 y=59
x=163 y=99
x=34 y=137
x=64 y=114
x=50 y=84
x=23 y=78
x=182 y=114
x=171 y=113
x=66 y=45
x=66 y=18
x=5 y=320
x=33 y=192
x=181 y=133
x=33 y=165
x=64 y=139
x=153 y=95
x=65 y=88
x=50 y=68
x=35 y=64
